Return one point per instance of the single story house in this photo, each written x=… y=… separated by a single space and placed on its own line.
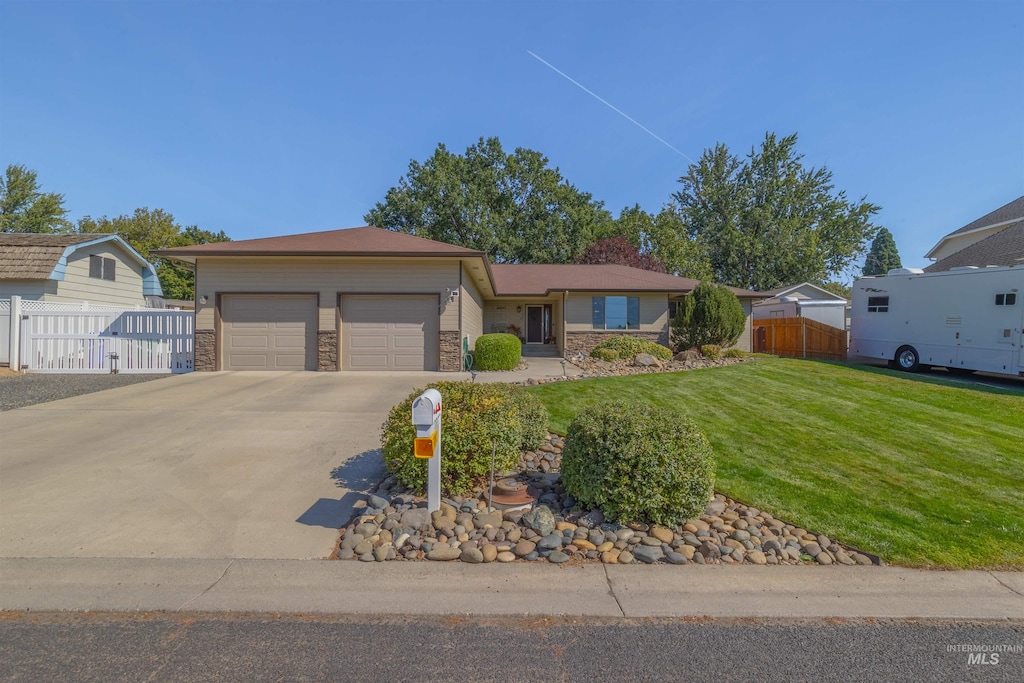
x=804 y=300
x=995 y=239
x=373 y=299
x=99 y=269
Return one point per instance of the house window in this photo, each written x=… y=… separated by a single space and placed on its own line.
x=878 y=304
x=102 y=268
x=616 y=313
x=1009 y=299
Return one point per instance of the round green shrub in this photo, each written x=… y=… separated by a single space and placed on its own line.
x=497 y=352
x=473 y=417
x=638 y=462
x=711 y=314
x=711 y=351
x=626 y=346
x=735 y=353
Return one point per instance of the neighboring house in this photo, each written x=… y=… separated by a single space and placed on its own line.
x=803 y=301
x=99 y=269
x=372 y=299
x=996 y=239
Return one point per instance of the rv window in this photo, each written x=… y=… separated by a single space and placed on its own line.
x=878 y=304
x=1006 y=299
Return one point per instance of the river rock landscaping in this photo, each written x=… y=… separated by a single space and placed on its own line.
x=394 y=524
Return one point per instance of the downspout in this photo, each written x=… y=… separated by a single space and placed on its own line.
x=565 y=335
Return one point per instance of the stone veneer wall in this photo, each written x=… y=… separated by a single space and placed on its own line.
x=451 y=351
x=327 y=350
x=205 y=351
x=584 y=342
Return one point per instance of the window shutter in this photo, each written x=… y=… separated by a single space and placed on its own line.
x=96 y=266
x=633 y=313
x=598 y=313
x=109 y=266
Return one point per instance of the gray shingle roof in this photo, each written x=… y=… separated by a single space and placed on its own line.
x=1007 y=212
x=1004 y=248
x=26 y=256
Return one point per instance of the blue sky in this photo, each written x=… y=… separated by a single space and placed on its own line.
x=268 y=118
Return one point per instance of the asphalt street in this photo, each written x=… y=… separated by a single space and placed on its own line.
x=202 y=647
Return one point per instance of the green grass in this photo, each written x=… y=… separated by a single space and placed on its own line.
x=923 y=473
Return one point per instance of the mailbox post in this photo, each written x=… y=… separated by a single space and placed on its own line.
x=426 y=417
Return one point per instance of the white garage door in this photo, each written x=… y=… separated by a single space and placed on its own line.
x=389 y=333
x=269 y=332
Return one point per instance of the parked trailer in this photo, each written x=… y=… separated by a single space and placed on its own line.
x=964 y=319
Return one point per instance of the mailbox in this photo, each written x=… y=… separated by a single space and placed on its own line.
x=426 y=417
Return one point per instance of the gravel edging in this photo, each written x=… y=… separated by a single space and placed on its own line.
x=394 y=524
x=29 y=389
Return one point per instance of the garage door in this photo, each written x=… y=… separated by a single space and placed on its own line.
x=389 y=333
x=269 y=332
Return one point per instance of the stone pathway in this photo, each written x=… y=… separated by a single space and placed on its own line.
x=395 y=525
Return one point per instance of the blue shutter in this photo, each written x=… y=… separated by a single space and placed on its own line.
x=633 y=313
x=598 y=313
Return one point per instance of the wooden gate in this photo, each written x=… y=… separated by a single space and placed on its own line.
x=799 y=338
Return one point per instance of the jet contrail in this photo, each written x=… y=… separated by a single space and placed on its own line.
x=608 y=104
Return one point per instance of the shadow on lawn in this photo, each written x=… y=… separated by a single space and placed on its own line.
x=983 y=383
x=359 y=474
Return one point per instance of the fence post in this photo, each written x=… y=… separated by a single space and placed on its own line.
x=15 y=335
x=803 y=327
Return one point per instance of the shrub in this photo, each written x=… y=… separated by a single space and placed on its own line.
x=735 y=353
x=638 y=462
x=711 y=314
x=473 y=416
x=497 y=352
x=711 y=351
x=627 y=346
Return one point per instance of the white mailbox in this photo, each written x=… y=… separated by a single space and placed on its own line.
x=426 y=417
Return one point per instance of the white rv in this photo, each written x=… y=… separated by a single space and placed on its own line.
x=965 y=319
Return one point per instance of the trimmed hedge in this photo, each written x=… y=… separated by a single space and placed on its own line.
x=625 y=346
x=497 y=352
x=473 y=415
x=638 y=463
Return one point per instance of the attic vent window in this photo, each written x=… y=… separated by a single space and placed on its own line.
x=878 y=304
x=102 y=268
x=1009 y=299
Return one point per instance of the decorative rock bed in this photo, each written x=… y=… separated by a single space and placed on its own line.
x=395 y=525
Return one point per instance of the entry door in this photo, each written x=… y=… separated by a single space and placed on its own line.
x=534 y=324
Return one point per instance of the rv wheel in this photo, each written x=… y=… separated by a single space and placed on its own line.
x=907 y=359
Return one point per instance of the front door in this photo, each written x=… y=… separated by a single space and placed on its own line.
x=534 y=324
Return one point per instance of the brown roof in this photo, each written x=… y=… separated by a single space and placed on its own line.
x=26 y=256
x=366 y=241
x=541 y=279
x=1004 y=248
x=1007 y=212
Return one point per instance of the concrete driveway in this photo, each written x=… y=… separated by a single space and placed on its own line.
x=204 y=465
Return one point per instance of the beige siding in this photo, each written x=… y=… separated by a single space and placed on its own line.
x=472 y=310
x=30 y=290
x=124 y=290
x=327 y=277
x=745 y=342
x=653 y=311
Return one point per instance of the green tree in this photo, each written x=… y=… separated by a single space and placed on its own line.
x=845 y=291
x=883 y=255
x=767 y=220
x=663 y=237
x=511 y=206
x=711 y=314
x=25 y=208
x=148 y=230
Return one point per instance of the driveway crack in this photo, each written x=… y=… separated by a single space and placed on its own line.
x=208 y=588
x=611 y=589
x=1009 y=588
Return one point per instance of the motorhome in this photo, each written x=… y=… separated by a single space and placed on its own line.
x=965 y=319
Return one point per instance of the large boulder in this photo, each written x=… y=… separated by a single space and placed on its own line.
x=540 y=519
x=646 y=360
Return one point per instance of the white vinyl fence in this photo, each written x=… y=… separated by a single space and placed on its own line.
x=101 y=339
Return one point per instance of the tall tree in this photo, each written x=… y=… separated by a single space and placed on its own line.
x=619 y=250
x=883 y=255
x=147 y=230
x=767 y=220
x=511 y=206
x=24 y=207
x=662 y=237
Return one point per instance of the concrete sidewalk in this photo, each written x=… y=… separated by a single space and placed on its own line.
x=427 y=588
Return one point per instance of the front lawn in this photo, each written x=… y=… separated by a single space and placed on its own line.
x=921 y=473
